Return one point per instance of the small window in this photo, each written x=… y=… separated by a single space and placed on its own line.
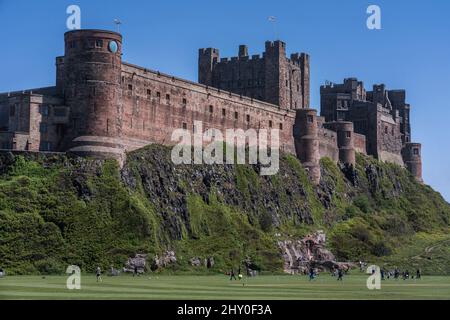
x=270 y=123
x=247 y=118
x=386 y=130
x=184 y=125
x=211 y=109
x=310 y=119
x=99 y=43
x=281 y=126
x=167 y=98
x=236 y=115
x=348 y=134
x=158 y=96
x=130 y=87
x=149 y=93
x=416 y=151
x=72 y=44
x=407 y=139
x=392 y=131
x=43 y=128
x=184 y=102
x=224 y=112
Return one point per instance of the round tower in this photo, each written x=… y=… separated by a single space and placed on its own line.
x=412 y=157
x=345 y=141
x=92 y=77
x=307 y=142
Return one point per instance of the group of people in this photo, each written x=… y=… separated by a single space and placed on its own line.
x=314 y=273
x=395 y=274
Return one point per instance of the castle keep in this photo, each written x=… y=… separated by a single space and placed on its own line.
x=104 y=107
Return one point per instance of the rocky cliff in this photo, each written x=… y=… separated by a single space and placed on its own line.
x=57 y=210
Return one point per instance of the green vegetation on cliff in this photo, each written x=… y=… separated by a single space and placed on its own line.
x=56 y=211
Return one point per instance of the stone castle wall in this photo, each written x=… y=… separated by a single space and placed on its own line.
x=104 y=107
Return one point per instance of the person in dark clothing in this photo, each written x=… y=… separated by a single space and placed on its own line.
x=135 y=272
x=396 y=273
x=418 y=274
x=311 y=274
x=340 y=275
x=232 y=275
x=382 y=273
x=406 y=275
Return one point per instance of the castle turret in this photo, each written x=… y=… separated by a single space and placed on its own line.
x=91 y=80
x=207 y=58
x=307 y=142
x=345 y=140
x=305 y=83
x=412 y=156
x=243 y=51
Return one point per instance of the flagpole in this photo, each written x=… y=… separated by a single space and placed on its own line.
x=273 y=20
x=118 y=23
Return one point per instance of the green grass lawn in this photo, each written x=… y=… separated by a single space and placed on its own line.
x=219 y=287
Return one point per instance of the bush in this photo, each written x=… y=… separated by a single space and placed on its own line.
x=362 y=202
x=380 y=249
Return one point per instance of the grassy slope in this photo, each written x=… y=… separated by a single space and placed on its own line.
x=220 y=287
x=59 y=212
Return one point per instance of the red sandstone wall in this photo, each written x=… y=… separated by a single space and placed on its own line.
x=360 y=143
x=152 y=117
x=328 y=144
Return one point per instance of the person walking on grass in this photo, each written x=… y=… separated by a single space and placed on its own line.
x=98 y=273
x=340 y=275
x=232 y=275
x=311 y=274
x=135 y=271
x=418 y=274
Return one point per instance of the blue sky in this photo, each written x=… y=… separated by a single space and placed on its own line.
x=412 y=51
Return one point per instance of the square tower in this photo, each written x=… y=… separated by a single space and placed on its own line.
x=272 y=78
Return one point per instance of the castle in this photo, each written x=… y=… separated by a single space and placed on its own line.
x=104 y=107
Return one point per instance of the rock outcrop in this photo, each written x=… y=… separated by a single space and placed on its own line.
x=168 y=258
x=300 y=255
x=138 y=262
